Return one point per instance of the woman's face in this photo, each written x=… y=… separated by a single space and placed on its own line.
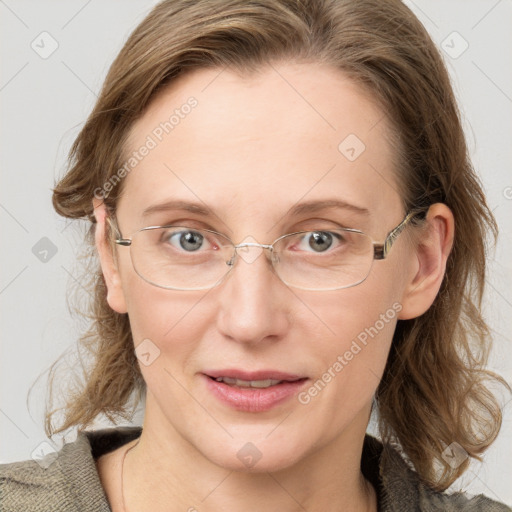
x=250 y=151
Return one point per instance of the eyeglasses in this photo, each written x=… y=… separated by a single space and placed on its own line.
x=185 y=258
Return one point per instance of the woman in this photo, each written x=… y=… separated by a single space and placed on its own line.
x=290 y=236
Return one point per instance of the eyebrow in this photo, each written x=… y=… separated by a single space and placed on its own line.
x=178 y=205
x=325 y=204
x=299 y=209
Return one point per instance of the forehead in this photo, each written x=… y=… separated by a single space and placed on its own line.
x=286 y=133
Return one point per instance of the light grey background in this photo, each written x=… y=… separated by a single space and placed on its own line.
x=44 y=102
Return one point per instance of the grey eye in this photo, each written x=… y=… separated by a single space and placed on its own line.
x=320 y=241
x=189 y=241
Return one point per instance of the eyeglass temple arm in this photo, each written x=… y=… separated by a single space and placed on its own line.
x=119 y=240
x=380 y=251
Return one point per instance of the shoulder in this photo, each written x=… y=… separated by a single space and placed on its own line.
x=66 y=480
x=25 y=485
x=42 y=485
x=402 y=489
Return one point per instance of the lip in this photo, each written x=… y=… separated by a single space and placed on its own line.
x=235 y=373
x=253 y=399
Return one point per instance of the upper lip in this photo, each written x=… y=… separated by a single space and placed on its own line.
x=249 y=376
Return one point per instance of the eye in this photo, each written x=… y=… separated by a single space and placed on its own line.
x=320 y=241
x=187 y=240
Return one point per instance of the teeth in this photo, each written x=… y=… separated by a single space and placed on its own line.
x=248 y=383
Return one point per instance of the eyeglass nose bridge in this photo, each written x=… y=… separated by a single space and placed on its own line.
x=270 y=247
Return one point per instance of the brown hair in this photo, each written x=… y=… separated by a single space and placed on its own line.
x=434 y=388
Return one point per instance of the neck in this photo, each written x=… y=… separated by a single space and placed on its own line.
x=163 y=471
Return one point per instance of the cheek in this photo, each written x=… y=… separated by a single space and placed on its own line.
x=175 y=323
x=346 y=314
x=360 y=323
x=167 y=328
x=171 y=319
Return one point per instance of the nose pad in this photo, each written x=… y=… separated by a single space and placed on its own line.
x=274 y=257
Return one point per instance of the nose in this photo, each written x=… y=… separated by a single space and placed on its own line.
x=253 y=301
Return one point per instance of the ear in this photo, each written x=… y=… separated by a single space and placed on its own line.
x=109 y=267
x=431 y=253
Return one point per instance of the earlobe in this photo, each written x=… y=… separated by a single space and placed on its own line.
x=431 y=254
x=115 y=295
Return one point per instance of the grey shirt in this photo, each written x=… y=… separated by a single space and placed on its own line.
x=71 y=481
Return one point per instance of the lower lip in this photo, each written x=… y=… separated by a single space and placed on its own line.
x=253 y=399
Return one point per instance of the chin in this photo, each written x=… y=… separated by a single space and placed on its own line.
x=254 y=456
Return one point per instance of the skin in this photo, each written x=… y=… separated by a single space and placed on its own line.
x=252 y=148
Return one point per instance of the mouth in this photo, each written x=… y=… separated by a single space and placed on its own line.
x=261 y=384
x=253 y=391
x=258 y=379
